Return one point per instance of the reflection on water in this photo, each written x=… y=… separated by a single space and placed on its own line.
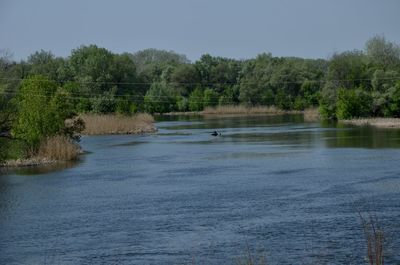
x=44 y=169
x=275 y=183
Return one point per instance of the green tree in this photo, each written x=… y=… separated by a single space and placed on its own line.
x=327 y=101
x=383 y=54
x=196 y=100
x=210 y=98
x=42 y=110
x=353 y=103
x=159 y=98
x=105 y=103
x=392 y=108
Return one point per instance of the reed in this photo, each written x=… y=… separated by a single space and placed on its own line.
x=96 y=124
x=58 y=148
x=241 y=109
x=375 y=240
x=311 y=114
x=376 y=122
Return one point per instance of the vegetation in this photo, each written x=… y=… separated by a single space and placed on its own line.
x=58 y=148
x=39 y=94
x=117 y=124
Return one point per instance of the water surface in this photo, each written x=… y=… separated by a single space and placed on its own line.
x=287 y=189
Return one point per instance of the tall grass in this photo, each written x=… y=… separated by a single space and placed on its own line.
x=311 y=114
x=240 y=109
x=96 y=124
x=250 y=259
x=377 y=122
x=375 y=239
x=58 y=148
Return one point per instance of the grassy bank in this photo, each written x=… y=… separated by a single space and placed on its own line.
x=117 y=124
x=51 y=150
x=376 y=122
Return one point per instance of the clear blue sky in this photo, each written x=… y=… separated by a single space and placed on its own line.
x=230 y=28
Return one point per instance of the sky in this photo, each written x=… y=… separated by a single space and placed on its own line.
x=228 y=28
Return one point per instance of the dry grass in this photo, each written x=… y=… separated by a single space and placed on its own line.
x=375 y=240
x=311 y=114
x=34 y=161
x=58 y=148
x=249 y=259
x=240 y=109
x=117 y=124
x=376 y=122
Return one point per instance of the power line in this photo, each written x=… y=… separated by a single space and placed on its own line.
x=140 y=98
x=204 y=83
x=113 y=99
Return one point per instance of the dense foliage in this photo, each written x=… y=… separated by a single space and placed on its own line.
x=42 y=110
x=347 y=85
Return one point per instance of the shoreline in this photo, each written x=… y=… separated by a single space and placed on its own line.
x=384 y=123
x=28 y=162
x=98 y=125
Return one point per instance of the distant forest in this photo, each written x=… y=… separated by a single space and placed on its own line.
x=92 y=79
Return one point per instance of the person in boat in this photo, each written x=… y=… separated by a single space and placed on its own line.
x=215 y=133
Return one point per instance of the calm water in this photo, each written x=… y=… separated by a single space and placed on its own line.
x=286 y=189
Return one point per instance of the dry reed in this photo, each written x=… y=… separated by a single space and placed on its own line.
x=311 y=114
x=58 y=148
x=240 y=109
x=117 y=124
x=375 y=240
x=376 y=122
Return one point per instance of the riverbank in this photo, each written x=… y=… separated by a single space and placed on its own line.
x=52 y=150
x=96 y=124
x=375 y=122
x=60 y=148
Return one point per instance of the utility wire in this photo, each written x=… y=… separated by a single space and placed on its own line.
x=206 y=83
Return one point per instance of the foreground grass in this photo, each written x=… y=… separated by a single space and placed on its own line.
x=376 y=122
x=96 y=124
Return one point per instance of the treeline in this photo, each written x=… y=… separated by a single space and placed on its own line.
x=93 y=79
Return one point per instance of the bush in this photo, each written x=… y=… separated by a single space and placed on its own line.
x=353 y=103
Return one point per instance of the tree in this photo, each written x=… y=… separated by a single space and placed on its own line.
x=145 y=58
x=42 y=110
x=383 y=54
x=348 y=69
x=392 y=108
x=93 y=68
x=210 y=98
x=159 y=98
x=353 y=103
x=196 y=100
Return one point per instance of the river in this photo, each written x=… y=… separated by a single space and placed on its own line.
x=282 y=188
